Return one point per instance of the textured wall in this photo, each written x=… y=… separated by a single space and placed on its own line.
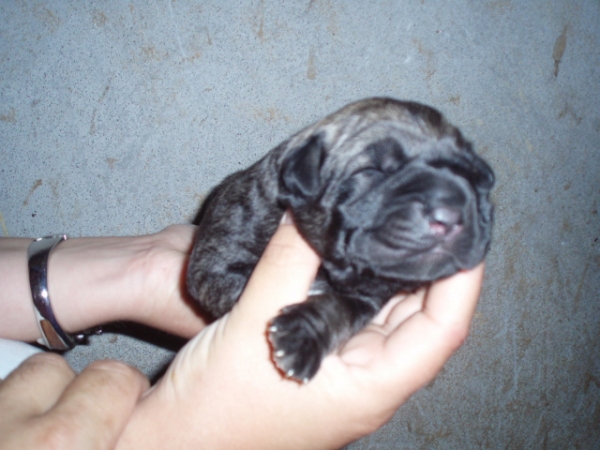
x=117 y=117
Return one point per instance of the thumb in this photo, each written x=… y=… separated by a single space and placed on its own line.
x=282 y=277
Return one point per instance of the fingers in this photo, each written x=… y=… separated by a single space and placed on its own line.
x=398 y=309
x=35 y=386
x=164 y=303
x=180 y=236
x=283 y=275
x=424 y=341
x=451 y=302
x=94 y=409
x=49 y=407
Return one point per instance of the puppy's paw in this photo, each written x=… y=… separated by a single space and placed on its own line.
x=298 y=341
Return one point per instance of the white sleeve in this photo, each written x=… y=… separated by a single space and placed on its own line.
x=12 y=354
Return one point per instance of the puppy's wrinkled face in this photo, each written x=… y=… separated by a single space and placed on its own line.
x=418 y=220
x=410 y=206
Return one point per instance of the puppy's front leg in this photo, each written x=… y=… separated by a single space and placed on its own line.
x=304 y=333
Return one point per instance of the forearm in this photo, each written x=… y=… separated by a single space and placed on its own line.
x=17 y=320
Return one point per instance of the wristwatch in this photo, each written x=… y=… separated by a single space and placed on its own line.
x=53 y=336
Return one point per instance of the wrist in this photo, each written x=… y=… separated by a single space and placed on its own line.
x=92 y=281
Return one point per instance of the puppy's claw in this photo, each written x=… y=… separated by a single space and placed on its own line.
x=297 y=352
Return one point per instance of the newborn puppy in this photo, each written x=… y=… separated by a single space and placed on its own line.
x=389 y=195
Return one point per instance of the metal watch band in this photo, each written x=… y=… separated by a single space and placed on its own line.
x=53 y=336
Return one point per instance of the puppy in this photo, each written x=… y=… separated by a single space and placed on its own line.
x=388 y=193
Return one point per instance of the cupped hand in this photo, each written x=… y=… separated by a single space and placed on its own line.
x=164 y=302
x=223 y=390
x=44 y=405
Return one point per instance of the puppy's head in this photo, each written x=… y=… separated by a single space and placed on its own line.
x=389 y=189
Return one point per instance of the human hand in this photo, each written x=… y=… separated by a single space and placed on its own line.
x=44 y=405
x=97 y=280
x=138 y=278
x=223 y=391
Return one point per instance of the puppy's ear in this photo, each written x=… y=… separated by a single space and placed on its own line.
x=477 y=171
x=300 y=171
x=471 y=167
x=485 y=175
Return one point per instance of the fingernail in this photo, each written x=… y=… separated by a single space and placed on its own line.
x=286 y=219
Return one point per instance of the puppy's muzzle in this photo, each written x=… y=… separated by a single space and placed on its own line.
x=444 y=222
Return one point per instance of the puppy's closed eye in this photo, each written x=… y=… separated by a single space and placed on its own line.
x=386 y=155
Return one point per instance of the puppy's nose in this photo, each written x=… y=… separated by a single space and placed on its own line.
x=443 y=220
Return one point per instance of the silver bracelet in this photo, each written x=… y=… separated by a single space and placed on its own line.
x=53 y=336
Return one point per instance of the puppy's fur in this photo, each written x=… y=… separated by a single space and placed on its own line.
x=388 y=193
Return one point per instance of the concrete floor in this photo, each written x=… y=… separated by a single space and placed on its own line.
x=117 y=117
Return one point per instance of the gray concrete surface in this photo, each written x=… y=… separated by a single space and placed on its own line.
x=117 y=117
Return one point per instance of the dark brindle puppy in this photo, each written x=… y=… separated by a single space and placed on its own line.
x=388 y=193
